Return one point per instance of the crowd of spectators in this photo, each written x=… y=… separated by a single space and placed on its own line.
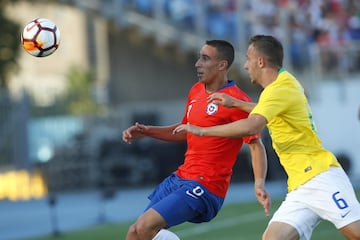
x=330 y=25
x=333 y=25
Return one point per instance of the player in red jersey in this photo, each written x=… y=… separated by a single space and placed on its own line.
x=195 y=192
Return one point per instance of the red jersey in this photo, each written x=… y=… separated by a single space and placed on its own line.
x=209 y=160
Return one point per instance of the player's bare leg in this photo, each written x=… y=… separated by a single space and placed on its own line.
x=147 y=226
x=352 y=231
x=280 y=231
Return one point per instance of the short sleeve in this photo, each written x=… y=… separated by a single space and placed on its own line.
x=272 y=102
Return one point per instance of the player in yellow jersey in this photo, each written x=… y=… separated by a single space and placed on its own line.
x=318 y=187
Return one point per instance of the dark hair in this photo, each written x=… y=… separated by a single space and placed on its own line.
x=270 y=47
x=225 y=50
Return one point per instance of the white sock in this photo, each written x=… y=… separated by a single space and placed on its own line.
x=164 y=234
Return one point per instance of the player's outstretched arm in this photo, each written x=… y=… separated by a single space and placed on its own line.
x=231 y=102
x=159 y=132
x=252 y=125
x=259 y=165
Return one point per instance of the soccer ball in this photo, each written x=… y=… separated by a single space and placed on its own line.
x=40 y=37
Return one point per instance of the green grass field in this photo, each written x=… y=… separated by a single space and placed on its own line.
x=235 y=221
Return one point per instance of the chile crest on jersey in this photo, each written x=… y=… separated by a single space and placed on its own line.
x=211 y=108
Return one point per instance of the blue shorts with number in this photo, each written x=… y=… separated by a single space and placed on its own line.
x=179 y=200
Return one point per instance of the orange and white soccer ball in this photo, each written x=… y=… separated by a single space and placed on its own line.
x=40 y=37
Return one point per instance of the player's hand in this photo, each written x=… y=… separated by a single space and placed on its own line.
x=221 y=99
x=136 y=131
x=264 y=199
x=189 y=128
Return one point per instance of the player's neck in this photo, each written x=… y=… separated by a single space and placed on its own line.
x=268 y=76
x=214 y=86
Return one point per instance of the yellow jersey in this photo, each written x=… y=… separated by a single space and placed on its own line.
x=293 y=132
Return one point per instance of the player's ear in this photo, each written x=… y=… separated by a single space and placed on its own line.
x=261 y=61
x=223 y=65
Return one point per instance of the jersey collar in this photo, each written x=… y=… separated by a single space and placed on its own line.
x=229 y=84
x=281 y=70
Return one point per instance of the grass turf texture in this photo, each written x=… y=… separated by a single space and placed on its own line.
x=235 y=221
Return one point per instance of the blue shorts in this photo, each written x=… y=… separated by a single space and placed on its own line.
x=179 y=200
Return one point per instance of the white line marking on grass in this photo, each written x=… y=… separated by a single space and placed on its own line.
x=212 y=226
